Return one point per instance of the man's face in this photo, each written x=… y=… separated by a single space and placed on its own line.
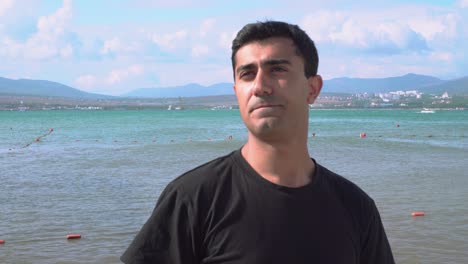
x=272 y=90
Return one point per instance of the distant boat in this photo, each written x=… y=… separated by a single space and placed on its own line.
x=175 y=108
x=180 y=105
x=427 y=111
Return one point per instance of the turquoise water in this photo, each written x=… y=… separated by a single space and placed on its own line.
x=99 y=174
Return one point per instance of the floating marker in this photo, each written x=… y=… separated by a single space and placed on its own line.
x=362 y=135
x=417 y=214
x=73 y=236
x=2 y=241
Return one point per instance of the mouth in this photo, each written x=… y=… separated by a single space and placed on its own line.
x=264 y=106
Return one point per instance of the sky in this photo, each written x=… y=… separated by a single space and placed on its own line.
x=114 y=47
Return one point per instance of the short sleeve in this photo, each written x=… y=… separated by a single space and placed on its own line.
x=375 y=247
x=169 y=234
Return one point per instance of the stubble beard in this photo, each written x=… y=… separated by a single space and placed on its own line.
x=270 y=128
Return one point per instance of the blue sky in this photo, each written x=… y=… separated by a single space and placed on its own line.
x=113 y=47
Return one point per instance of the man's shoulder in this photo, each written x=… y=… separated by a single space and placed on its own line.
x=348 y=192
x=205 y=175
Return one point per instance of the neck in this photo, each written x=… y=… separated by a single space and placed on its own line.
x=286 y=164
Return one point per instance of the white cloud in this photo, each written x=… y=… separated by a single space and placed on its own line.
x=371 y=34
x=170 y=41
x=225 y=40
x=116 y=46
x=112 y=81
x=350 y=33
x=206 y=26
x=86 y=82
x=463 y=3
x=49 y=39
x=366 y=67
x=67 y=51
x=10 y=48
x=5 y=5
x=171 y=4
x=431 y=27
x=321 y=24
x=119 y=75
x=442 y=56
x=206 y=74
x=54 y=25
x=200 y=50
x=111 y=45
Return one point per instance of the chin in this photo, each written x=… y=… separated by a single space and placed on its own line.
x=266 y=128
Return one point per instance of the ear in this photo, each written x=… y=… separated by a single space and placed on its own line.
x=315 y=86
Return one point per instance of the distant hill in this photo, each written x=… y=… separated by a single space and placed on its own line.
x=422 y=83
x=28 y=87
x=188 y=90
x=456 y=86
x=380 y=85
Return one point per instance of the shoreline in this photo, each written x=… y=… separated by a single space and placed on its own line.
x=191 y=108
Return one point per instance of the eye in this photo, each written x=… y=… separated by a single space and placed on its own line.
x=278 y=69
x=246 y=74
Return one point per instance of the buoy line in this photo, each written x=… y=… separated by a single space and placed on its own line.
x=38 y=139
x=69 y=236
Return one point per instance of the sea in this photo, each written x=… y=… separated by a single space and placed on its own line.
x=100 y=173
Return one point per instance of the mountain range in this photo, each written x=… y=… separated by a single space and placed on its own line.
x=26 y=87
x=188 y=90
x=421 y=83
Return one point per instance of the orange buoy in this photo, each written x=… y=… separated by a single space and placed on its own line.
x=73 y=236
x=362 y=135
x=417 y=214
x=2 y=241
x=37 y=139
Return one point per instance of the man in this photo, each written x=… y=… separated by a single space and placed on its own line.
x=268 y=202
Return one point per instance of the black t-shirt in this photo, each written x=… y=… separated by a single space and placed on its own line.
x=225 y=212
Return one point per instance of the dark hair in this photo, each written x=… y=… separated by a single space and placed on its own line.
x=305 y=47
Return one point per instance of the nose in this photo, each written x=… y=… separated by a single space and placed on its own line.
x=261 y=85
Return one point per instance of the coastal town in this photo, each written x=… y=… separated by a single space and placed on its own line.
x=412 y=99
x=398 y=99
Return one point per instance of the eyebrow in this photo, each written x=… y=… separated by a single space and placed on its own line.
x=268 y=62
